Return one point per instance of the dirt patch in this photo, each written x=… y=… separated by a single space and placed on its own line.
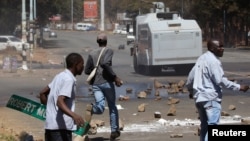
x=17 y=129
x=38 y=55
x=11 y=130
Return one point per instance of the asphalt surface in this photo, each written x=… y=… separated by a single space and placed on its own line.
x=138 y=126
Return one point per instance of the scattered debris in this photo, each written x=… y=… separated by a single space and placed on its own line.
x=172 y=111
x=157 y=114
x=142 y=94
x=245 y=121
x=157 y=92
x=232 y=107
x=237 y=117
x=141 y=107
x=123 y=98
x=176 y=135
x=129 y=90
x=121 y=46
x=224 y=113
x=119 y=107
x=158 y=98
x=173 y=101
x=157 y=84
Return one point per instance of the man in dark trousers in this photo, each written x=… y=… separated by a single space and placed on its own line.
x=205 y=82
x=59 y=98
x=103 y=84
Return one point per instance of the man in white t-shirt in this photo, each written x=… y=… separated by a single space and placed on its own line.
x=59 y=97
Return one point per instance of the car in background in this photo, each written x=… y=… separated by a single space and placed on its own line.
x=117 y=31
x=123 y=31
x=46 y=29
x=84 y=26
x=130 y=38
x=52 y=34
x=59 y=26
x=12 y=41
x=91 y=28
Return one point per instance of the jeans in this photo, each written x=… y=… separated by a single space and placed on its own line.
x=209 y=112
x=58 y=135
x=102 y=92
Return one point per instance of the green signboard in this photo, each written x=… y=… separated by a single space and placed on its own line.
x=27 y=106
x=36 y=110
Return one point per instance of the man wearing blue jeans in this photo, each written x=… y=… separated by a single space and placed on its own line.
x=103 y=84
x=204 y=84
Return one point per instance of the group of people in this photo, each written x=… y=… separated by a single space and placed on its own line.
x=204 y=82
x=59 y=94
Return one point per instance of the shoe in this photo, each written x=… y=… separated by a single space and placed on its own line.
x=115 y=135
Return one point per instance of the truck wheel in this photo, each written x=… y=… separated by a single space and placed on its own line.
x=146 y=70
x=136 y=68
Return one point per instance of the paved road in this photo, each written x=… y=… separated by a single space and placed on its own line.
x=138 y=126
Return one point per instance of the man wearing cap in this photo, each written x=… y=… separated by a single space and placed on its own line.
x=103 y=83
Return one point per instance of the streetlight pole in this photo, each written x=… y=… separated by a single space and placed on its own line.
x=72 y=15
x=23 y=21
x=102 y=15
x=24 y=39
x=34 y=9
x=31 y=11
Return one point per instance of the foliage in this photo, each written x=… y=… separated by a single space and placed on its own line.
x=5 y=137
x=225 y=19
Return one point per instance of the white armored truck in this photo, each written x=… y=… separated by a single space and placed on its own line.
x=165 y=43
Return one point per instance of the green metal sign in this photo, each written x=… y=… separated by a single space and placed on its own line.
x=36 y=110
x=27 y=106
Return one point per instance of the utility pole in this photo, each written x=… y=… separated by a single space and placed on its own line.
x=31 y=32
x=34 y=9
x=24 y=39
x=31 y=10
x=72 y=7
x=35 y=29
x=102 y=15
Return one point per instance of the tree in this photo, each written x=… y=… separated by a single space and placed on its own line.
x=227 y=20
x=9 y=15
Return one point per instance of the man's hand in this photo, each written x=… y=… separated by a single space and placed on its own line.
x=78 y=119
x=118 y=82
x=244 y=88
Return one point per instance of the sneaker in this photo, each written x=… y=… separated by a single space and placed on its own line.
x=115 y=135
